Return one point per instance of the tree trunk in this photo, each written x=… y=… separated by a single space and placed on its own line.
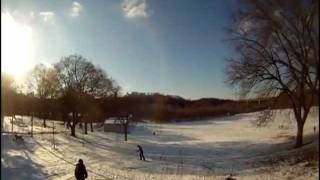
x=301 y=119
x=85 y=128
x=75 y=120
x=73 y=130
x=299 y=138
x=44 y=123
x=32 y=125
x=80 y=125
x=125 y=131
x=91 y=127
x=68 y=124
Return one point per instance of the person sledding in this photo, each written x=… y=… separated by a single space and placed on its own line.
x=141 y=152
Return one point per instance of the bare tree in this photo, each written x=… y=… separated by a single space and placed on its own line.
x=100 y=86
x=79 y=78
x=44 y=82
x=277 y=53
x=125 y=121
x=115 y=90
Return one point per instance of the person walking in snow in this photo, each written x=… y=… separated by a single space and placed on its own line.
x=80 y=172
x=141 y=152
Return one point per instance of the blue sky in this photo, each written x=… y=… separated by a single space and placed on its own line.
x=173 y=47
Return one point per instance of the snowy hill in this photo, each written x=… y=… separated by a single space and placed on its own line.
x=209 y=149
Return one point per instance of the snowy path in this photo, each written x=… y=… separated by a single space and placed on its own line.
x=207 y=149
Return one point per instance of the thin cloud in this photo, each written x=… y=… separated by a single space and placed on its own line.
x=47 y=15
x=76 y=9
x=135 y=8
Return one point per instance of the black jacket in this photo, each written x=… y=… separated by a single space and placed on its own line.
x=80 y=171
x=140 y=149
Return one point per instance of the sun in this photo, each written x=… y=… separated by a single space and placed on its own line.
x=17 y=47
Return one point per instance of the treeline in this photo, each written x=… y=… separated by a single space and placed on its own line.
x=164 y=108
x=76 y=92
x=71 y=91
x=156 y=107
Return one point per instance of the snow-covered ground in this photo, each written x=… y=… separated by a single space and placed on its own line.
x=208 y=149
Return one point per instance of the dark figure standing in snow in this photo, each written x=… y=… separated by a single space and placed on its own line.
x=230 y=177
x=141 y=152
x=80 y=171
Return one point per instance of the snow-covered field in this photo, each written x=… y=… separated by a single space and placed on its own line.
x=208 y=149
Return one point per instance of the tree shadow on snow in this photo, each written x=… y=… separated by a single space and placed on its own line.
x=15 y=161
x=220 y=158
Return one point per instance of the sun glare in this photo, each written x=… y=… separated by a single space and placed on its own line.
x=16 y=46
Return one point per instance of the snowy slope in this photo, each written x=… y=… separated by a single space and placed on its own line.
x=208 y=149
